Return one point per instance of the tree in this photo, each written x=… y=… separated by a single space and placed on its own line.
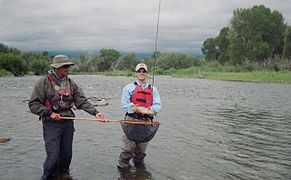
x=209 y=49
x=176 y=61
x=85 y=64
x=287 y=43
x=128 y=62
x=39 y=66
x=44 y=53
x=107 y=58
x=3 y=48
x=222 y=42
x=13 y=63
x=167 y=61
x=255 y=34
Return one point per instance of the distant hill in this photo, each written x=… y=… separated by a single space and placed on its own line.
x=139 y=55
x=77 y=53
x=71 y=53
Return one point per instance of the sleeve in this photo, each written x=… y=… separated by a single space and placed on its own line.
x=157 y=105
x=36 y=102
x=81 y=102
x=125 y=99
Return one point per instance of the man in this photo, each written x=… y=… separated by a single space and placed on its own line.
x=137 y=96
x=52 y=98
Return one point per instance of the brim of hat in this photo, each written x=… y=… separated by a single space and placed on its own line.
x=62 y=64
x=141 y=68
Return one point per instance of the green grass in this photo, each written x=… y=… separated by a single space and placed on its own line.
x=220 y=74
x=4 y=72
x=216 y=74
x=261 y=76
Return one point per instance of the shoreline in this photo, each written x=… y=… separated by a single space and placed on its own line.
x=256 y=77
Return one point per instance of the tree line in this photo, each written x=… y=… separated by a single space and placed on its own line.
x=255 y=36
x=17 y=63
x=112 y=60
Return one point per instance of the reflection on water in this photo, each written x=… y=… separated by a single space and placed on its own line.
x=140 y=174
x=209 y=130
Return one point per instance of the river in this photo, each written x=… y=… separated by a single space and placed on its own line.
x=209 y=130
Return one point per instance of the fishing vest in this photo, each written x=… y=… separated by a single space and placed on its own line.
x=62 y=99
x=142 y=97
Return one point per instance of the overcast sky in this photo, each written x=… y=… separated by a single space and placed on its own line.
x=125 y=25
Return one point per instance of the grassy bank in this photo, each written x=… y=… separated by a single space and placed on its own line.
x=260 y=76
x=216 y=74
x=206 y=73
x=277 y=77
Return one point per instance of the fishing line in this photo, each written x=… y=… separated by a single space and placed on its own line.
x=156 y=43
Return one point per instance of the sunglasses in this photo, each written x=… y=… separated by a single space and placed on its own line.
x=141 y=71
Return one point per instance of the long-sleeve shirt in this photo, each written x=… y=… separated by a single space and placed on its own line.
x=127 y=93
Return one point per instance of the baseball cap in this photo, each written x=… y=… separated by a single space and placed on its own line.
x=141 y=65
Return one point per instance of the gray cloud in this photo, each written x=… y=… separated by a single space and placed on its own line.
x=127 y=25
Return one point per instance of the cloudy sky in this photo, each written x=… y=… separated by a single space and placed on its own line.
x=125 y=25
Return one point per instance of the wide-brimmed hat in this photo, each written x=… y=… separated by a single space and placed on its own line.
x=61 y=60
x=140 y=66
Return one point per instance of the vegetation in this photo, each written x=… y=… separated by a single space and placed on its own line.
x=4 y=72
x=216 y=74
x=14 y=62
x=255 y=37
x=255 y=46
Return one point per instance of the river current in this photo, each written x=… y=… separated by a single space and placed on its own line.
x=209 y=130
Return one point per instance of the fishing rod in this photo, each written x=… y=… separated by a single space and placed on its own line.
x=142 y=122
x=156 y=43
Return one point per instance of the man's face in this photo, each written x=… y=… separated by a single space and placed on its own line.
x=63 y=71
x=141 y=74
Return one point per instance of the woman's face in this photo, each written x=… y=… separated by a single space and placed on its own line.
x=141 y=75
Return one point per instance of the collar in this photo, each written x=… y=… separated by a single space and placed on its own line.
x=59 y=81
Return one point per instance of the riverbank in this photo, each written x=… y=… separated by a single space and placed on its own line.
x=255 y=76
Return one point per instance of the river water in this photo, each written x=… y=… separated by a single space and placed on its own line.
x=209 y=130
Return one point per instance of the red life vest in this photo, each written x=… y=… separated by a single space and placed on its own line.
x=142 y=97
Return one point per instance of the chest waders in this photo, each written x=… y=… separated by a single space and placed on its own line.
x=140 y=133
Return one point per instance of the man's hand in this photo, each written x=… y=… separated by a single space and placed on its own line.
x=56 y=116
x=100 y=116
